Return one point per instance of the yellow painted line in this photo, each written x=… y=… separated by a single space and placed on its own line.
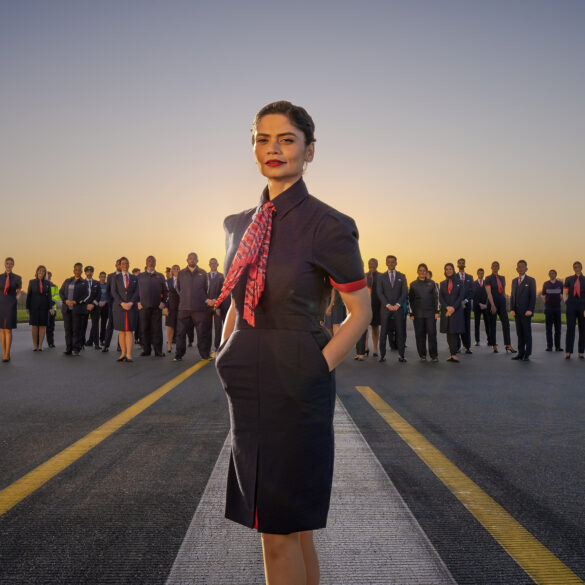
x=32 y=481
x=542 y=565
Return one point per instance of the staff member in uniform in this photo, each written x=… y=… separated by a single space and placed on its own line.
x=480 y=307
x=372 y=278
x=52 y=314
x=192 y=289
x=110 y=325
x=467 y=281
x=574 y=297
x=392 y=291
x=99 y=319
x=451 y=295
x=276 y=361
x=38 y=304
x=552 y=293
x=153 y=298
x=523 y=301
x=215 y=282
x=495 y=286
x=125 y=309
x=10 y=287
x=172 y=309
x=424 y=310
x=93 y=288
x=73 y=293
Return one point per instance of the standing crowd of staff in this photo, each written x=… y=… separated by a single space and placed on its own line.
x=132 y=303
x=454 y=299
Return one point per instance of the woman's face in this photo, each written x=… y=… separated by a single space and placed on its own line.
x=175 y=270
x=124 y=265
x=449 y=271
x=9 y=265
x=422 y=272
x=41 y=273
x=279 y=148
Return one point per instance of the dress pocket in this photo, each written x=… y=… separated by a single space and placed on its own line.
x=313 y=343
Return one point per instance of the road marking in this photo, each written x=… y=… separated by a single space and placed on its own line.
x=32 y=481
x=541 y=564
x=389 y=546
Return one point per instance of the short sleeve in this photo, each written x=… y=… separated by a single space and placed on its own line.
x=336 y=251
x=567 y=283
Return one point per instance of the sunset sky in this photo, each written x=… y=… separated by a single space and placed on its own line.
x=446 y=129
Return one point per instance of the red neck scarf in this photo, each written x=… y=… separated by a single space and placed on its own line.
x=7 y=284
x=252 y=252
x=500 y=287
x=577 y=288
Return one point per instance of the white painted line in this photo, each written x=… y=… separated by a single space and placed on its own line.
x=372 y=538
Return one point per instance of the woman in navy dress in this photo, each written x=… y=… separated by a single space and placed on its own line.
x=10 y=287
x=495 y=287
x=172 y=309
x=278 y=372
x=38 y=304
x=125 y=310
x=451 y=293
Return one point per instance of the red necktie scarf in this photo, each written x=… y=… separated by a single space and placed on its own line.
x=577 y=288
x=500 y=287
x=41 y=286
x=7 y=284
x=253 y=252
x=450 y=286
x=125 y=281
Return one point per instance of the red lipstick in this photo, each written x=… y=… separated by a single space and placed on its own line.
x=274 y=163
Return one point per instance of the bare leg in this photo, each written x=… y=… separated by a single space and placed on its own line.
x=35 y=336
x=122 y=343
x=283 y=559
x=170 y=333
x=129 y=335
x=310 y=557
x=42 y=331
x=375 y=337
x=8 y=341
x=4 y=342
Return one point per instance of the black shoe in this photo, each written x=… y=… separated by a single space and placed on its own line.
x=67 y=352
x=548 y=349
x=145 y=353
x=75 y=354
x=177 y=359
x=35 y=349
x=495 y=350
x=190 y=344
x=454 y=360
x=581 y=356
x=422 y=359
x=477 y=344
x=159 y=354
x=97 y=346
x=434 y=360
x=568 y=356
x=52 y=346
x=526 y=358
x=206 y=357
x=468 y=351
x=122 y=359
x=402 y=359
x=510 y=349
x=367 y=352
x=129 y=360
x=382 y=359
x=556 y=349
x=105 y=349
x=517 y=357
x=374 y=355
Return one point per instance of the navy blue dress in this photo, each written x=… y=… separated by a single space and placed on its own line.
x=280 y=392
x=125 y=320
x=8 y=302
x=39 y=303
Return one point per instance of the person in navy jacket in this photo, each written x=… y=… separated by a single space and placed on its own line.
x=392 y=290
x=73 y=293
x=10 y=287
x=522 y=302
x=93 y=295
x=480 y=306
x=467 y=281
x=125 y=310
x=38 y=304
x=110 y=324
x=451 y=295
x=574 y=297
x=495 y=286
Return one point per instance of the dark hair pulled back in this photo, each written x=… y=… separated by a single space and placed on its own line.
x=297 y=116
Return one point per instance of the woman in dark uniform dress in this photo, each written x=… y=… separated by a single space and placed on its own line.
x=38 y=304
x=10 y=287
x=172 y=309
x=276 y=361
x=125 y=310
x=451 y=293
x=495 y=287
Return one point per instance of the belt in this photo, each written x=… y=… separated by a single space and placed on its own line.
x=288 y=321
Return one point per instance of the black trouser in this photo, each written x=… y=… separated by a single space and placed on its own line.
x=503 y=314
x=98 y=315
x=109 y=326
x=426 y=327
x=524 y=332
x=218 y=318
x=151 y=329
x=452 y=342
x=465 y=338
x=83 y=327
x=360 y=346
x=202 y=322
x=392 y=324
x=73 y=323
x=575 y=315
x=552 y=318
x=51 y=329
x=478 y=313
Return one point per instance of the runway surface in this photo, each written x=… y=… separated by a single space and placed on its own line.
x=112 y=473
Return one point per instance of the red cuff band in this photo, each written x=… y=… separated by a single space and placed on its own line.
x=349 y=286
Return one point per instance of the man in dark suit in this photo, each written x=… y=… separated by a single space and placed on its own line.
x=522 y=301
x=574 y=297
x=480 y=300
x=93 y=288
x=215 y=282
x=110 y=325
x=467 y=281
x=392 y=291
x=73 y=294
x=153 y=298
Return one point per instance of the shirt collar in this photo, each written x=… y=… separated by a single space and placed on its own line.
x=287 y=199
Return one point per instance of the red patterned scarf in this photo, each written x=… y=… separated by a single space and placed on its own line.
x=252 y=251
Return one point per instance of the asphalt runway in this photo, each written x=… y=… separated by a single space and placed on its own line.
x=120 y=512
